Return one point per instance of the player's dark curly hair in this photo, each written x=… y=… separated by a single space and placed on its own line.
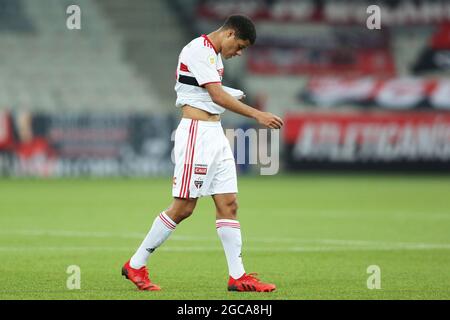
x=242 y=25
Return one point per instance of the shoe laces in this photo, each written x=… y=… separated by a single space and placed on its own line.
x=143 y=273
x=252 y=276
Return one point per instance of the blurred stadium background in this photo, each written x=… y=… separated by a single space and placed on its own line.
x=99 y=102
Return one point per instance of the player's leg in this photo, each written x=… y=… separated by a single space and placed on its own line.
x=182 y=206
x=229 y=231
x=224 y=190
x=226 y=205
x=163 y=226
x=181 y=209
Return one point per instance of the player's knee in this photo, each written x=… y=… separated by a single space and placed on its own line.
x=178 y=214
x=181 y=214
x=186 y=213
x=234 y=208
x=230 y=210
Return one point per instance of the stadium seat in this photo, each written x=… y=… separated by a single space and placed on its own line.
x=52 y=68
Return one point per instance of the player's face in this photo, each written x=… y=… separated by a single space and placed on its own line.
x=233 y=46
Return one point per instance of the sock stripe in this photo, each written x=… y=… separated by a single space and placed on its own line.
x=232 y=223
x=170 y=221
x=166 y=222
x=167 y=225
x=228 y=224
x=228 y=227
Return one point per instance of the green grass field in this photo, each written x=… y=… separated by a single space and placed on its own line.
x=313 y=236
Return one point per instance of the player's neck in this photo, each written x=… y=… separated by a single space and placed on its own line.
x=215 y=38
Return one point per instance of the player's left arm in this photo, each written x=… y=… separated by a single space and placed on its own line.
x=227 y=101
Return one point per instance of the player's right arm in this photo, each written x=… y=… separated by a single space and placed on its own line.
x=227 y=101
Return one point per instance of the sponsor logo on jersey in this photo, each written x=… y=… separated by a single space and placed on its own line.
x=200 y=169
x=212 y=59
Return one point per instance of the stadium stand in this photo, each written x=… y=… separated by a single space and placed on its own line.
x=50 y=68
x=300 y=41
x=12 y=16
x=103 y=97
x=124 y=56
x=152 y=37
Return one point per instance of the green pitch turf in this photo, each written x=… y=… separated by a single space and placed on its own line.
x=313 y=236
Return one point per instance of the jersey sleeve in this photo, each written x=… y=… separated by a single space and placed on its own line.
x=202 y=63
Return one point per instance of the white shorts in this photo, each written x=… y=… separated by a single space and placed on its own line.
x=204 y=162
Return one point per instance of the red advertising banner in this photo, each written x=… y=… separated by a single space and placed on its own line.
x=391 y=93
x=84 y=144
x=362 y=137
x=360 y=62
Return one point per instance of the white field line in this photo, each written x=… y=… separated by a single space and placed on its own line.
x=289 y=244
x=219 y=249
x=381 y=214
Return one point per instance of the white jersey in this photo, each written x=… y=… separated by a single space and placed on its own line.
x=199 y=63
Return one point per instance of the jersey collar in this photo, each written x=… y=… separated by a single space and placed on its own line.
x=212 y=45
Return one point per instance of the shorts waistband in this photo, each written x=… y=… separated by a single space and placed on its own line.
x=185 y=123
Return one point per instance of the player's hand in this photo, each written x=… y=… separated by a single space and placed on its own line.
x=269 y=120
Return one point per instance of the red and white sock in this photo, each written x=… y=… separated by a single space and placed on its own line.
x=161 y=230
x=229 y=232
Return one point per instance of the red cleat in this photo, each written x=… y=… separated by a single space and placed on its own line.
x=248 y=282
x=139 y=277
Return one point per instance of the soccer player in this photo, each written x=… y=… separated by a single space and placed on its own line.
x=204 y=162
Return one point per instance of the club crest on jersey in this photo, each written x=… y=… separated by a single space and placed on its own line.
x=198 y=183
